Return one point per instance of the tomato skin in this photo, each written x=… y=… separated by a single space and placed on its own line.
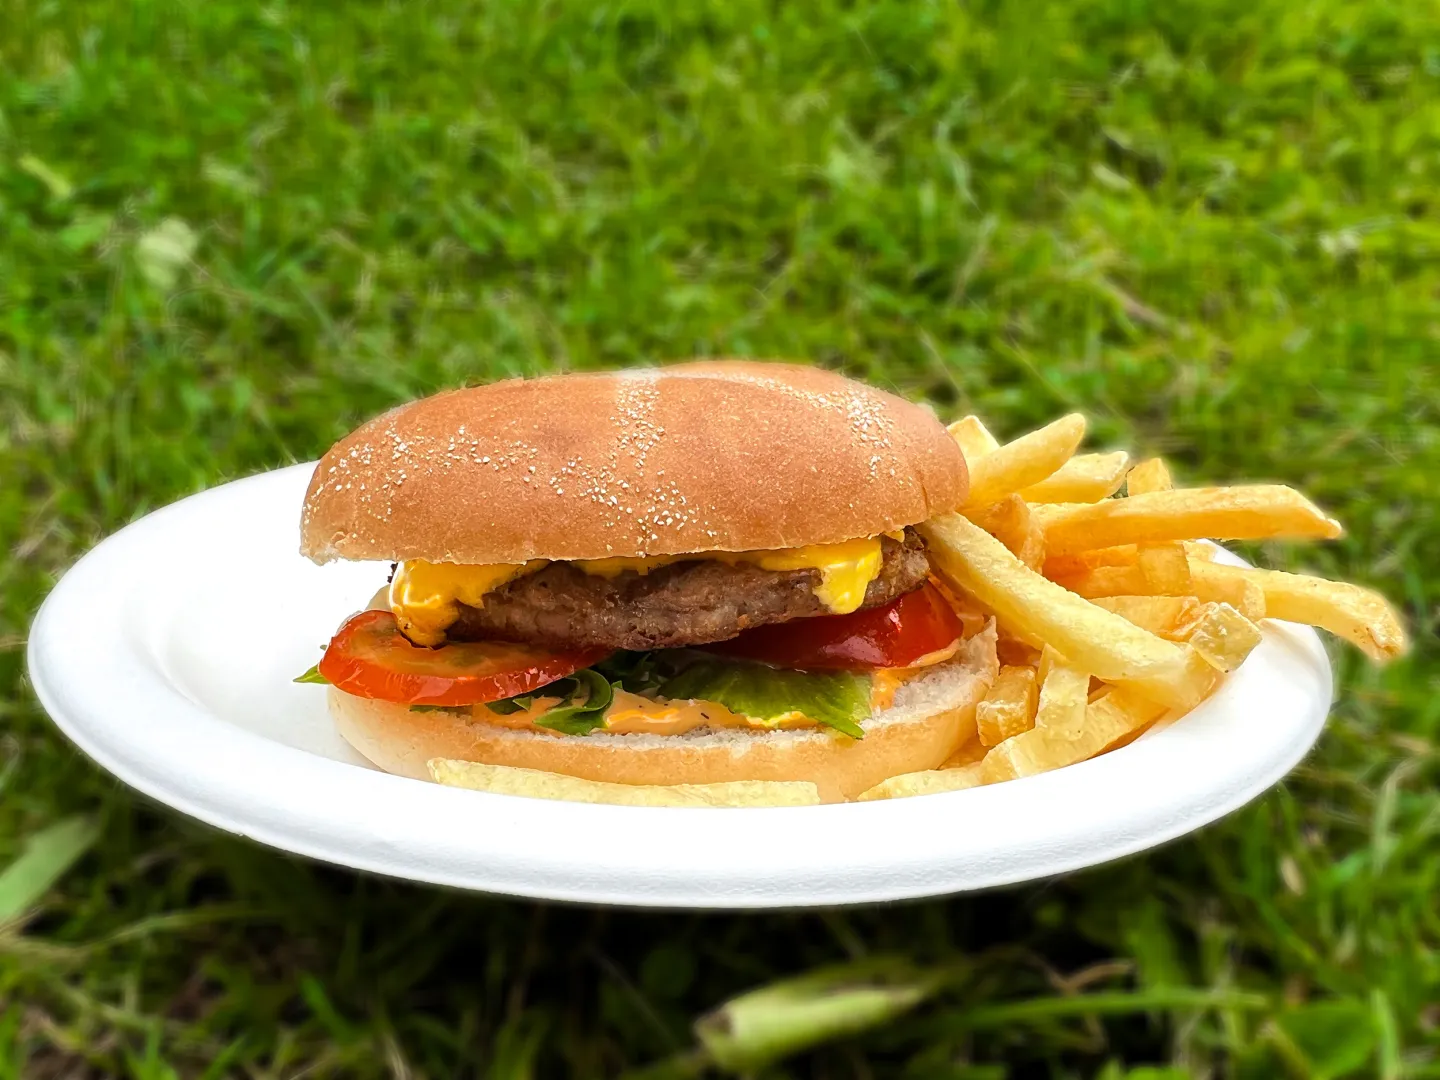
x=370 y=658
x=896 y=635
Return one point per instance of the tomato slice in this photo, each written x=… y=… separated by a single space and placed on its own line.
x=896 y=635
x=370 y=658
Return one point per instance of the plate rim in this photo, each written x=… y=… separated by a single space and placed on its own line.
x=561 y=869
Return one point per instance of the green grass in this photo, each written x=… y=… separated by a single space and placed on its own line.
x=229 y=231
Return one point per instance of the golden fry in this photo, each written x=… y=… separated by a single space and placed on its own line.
x=1009 y=520
x=1359 y=615
x=1041 y=611
x=1064 y=692
x=1244 y=595
x=1008 y=708
x=1025 y=461
x=930 y=782
x=1166 y=616
x=968 y=754
x=1165 y=567
x=1150 y=475
x=535 y=784
x=1084 y=478
x=1110 y=581
x=1183 y=691
x=974 y=438
x=1253 y=512
x=1065 y=566
x=1113 y=716
x=1222 y=636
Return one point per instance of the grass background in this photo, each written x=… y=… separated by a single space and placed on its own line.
x=229 y=231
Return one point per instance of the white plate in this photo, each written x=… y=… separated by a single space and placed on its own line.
x=167 y=655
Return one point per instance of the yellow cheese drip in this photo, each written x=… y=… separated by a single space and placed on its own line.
x=426 y=597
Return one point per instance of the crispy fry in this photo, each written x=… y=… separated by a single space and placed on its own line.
x=1064 y=566
x=1040 y=610
x=1149 y=475
x=1165 y=567
x=1009 y=520
x=931 y=782
x=1110 y=718
x=971 y=751
x=1243 y=595
x=1183 y=691
x=1064 y=691
x=1110 y=581
x=1167 y=616
x=1008 y=708
x=1026 y=461
x=1084 y=478
x=1253 y=512
x=1357 y=614
x=1200 y=549
x=974 y=438
x=1222 y=636
x=504 y=780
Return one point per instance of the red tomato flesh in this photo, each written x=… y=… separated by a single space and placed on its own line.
x=896 y=635
x=370 y=658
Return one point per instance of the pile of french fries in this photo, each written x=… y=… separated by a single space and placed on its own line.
x=1113 y=612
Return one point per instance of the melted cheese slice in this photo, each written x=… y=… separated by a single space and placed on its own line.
x=426 y=597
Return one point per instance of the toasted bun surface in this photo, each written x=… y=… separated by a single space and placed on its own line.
x=932 y=716
x=708 y=456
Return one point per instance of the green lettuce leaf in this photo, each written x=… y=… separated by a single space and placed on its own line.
x=837 y=699
x=586 y=717
x=313 y=676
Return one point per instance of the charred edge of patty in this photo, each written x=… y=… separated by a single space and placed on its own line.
x=684 y=603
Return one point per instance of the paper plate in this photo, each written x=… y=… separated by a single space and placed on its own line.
x=167 y=655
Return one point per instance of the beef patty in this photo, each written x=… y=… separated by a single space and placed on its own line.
x=686 y=603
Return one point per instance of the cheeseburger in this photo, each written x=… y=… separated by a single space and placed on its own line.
x=694 y=574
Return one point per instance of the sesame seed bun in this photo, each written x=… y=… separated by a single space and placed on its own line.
x=931 y=717
x=707 y=456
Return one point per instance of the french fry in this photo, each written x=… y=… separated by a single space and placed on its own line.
x=1008 y=708
x=930 y=782
x=1357 y=614
x=1244 y=595
x=1110 y=581
x=968 y=754
x=1110 y=718
x=1041 y=611
x=532 y=783
x=974 y=438
x=1166 y=616
x=1063 y=566
x=1166 y=569
x=1025 y=461
x=1252 y=512
x=1222 y=636
x=1149 y=475
x=1084 y=478
x=1197 y=678
x=1199 y=549
x=1064 y=691
x=1009 y=520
